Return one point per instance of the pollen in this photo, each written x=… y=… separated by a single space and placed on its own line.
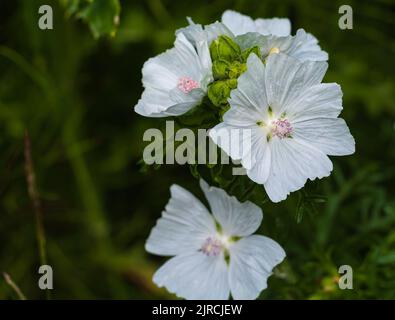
x=274 y=50
x=212 y=246
x=281 y=128
x=187 y=84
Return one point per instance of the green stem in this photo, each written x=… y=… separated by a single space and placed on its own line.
x=35 y=198
x=14 y=286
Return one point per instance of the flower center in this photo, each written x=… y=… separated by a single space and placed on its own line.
x=274 y=50
x=187 y=84
x=212 y=246
x=281 y=128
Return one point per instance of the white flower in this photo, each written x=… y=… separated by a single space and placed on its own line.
x=240 y=24
x=293 y=121
x=176 y=80
x=214 y=256
x=196 y=33
x=302 y=46
x=270 y=35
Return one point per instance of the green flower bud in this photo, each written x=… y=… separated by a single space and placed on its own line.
x=220 y=69
x=219 y=91
x=236 y=69
x=225 y=48
x=232 y=83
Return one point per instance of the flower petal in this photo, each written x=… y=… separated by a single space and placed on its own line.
x=238 y=23
x=275 y=26
x=195 y=276
x=236 y=218
x=235 y=141
x=287 y=79
x=302 y=47
x=322 y=100
x=260 y=159
x=293 y=162
x=252 y=260
x=305 y=48
x=250 y=96
x=196 y=32
x=184 y=225
x=331 y=136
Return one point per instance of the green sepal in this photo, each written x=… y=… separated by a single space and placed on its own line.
x=219 y=91
x=221 y=69
x=246 y=53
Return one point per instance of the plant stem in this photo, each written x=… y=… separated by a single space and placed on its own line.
x=35 y=198
x=14 y=286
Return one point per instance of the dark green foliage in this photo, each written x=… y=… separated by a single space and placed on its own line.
x=75 y=93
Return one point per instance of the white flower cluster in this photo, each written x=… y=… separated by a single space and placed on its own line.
x=293 y=118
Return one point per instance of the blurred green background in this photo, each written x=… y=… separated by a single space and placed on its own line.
x=73 y=90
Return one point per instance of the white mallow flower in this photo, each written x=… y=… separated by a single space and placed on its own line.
x=176 y=80
x=302 y=46
x=240 y=24
x=215 y=255
x=196 y=33
x=292 y=119
x=272 y=36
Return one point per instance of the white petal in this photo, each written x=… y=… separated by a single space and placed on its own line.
x=292 y=163
x=250 y=96
x=236 y=218
x=267 y=43
x=238 y=23
x=196 y=32
x=283 y=81
x=193 y=32
x=252 y=260
x=153 y=102
x=260 y=159
x=156 y=103
x=216 y=29
x=275 y=26
x=251 y=39
x=184 y=226
x=305 y=48
x=319 y=101
x=195 y=276
x=287 y=79
x=248 y=144
x=331 y=136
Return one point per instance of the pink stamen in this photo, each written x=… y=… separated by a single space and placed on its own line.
x=281 y=128
x=212 y=247
x=186 y=84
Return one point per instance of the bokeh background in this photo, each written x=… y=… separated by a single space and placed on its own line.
x=72 y=89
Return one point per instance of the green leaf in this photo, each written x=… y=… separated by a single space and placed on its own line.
x=102 y=16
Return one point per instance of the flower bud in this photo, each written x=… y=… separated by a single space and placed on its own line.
x=220 y=69
x=225 y=48
x=219 y=91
